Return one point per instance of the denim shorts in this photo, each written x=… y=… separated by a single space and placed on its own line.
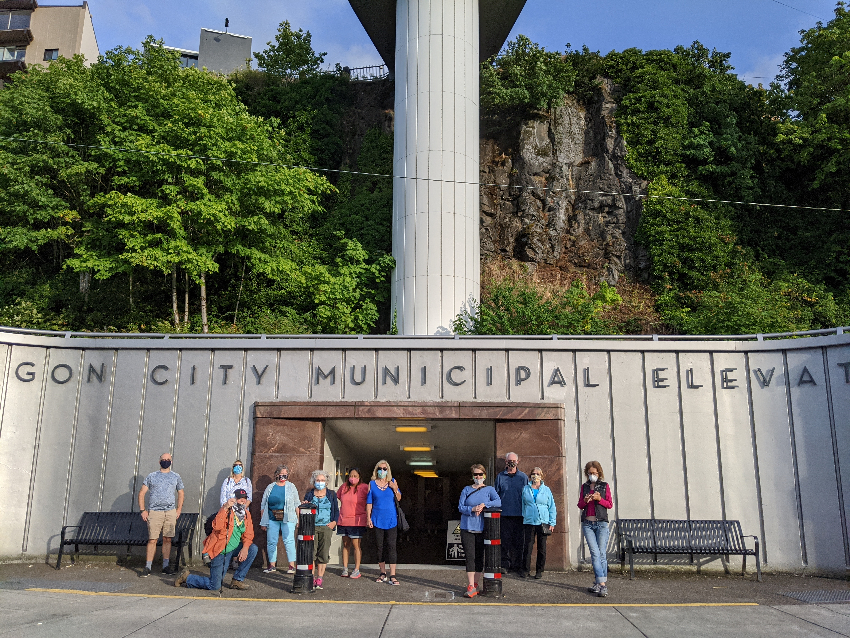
x=350 y=531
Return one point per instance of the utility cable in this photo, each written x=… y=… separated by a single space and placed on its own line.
x=800 y=10
x=342 y=171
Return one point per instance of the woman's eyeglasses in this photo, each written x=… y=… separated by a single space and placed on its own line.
x=477 y=474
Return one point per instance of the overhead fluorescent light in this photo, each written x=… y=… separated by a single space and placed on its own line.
x=416 y=448
x=426 y=474
x=421 y=462
x=411 y=428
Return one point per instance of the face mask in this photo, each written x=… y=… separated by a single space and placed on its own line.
x=320 y=485
x=353 y=481
x=535 y=478
x=281 y=477
x=510 y=464
x=165 y=464
x=382 y=473
x=478 y=480
x=237 y=469
x=239 y=510
x=592 y=478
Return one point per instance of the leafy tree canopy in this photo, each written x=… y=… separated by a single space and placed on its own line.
x=291 y=54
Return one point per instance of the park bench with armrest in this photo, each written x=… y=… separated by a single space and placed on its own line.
x=121 y=528
x=656 y=536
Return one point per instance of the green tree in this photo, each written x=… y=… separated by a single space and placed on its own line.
x=291 y=55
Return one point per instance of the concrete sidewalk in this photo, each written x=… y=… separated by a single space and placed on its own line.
x=107 y=600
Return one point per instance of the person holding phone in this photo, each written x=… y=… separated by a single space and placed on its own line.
x=381 y=516
x=594 y=502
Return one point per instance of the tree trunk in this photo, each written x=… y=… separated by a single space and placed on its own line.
x=186 y=298
x=239 y=296
x=174 y=297
x=131 y=291
x=204 y=321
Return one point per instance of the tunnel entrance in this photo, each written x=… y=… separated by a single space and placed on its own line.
x=430 y=448
x=430 y=459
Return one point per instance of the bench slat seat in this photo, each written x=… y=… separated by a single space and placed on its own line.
x=662 y=536
x=121 y=528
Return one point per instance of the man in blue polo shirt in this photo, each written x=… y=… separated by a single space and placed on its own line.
x=509 y=484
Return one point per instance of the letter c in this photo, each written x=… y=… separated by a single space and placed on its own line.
x=449 y=377
x=29 y=374
x=153 y=375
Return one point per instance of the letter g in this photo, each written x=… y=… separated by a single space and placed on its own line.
x=27 y=376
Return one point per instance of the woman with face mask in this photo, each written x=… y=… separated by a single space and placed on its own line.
x=352 y=519
x=323 y=499
x=594 y=502
x=538 y=520
x=279 y=518
x=236 y=481
x=382 y=517
x=473 y=499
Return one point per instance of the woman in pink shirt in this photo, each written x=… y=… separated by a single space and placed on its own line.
x=352 y=519
x=594 y=502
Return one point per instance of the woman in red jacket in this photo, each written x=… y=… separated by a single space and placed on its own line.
x=594 y=502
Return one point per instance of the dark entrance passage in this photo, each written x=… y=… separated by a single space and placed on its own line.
x=430 y=447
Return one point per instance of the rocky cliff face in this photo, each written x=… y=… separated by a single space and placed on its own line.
x=574 y=148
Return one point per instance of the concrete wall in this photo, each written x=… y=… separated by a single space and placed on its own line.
x=755 y=431
x=223 y=52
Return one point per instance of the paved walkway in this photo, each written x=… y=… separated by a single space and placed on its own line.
x=109 y=601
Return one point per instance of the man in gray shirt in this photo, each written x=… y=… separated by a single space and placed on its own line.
x=162 y=512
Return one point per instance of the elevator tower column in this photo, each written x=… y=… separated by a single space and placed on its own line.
x=433 y=48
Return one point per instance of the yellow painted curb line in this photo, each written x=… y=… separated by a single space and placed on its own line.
x=385 y=602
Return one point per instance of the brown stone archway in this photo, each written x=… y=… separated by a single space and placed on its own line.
x=291 y=432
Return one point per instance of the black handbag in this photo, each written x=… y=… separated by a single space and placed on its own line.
x=402 y=519
x=544 y=528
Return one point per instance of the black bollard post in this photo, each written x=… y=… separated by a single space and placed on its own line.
x=492 y=552
x=302 y=583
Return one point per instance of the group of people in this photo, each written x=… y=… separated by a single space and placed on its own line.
x=528 y=517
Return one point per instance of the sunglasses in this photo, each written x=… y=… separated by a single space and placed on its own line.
x=384 y=468
x=477 y=474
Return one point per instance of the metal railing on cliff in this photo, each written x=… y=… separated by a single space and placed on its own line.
x=366 y=73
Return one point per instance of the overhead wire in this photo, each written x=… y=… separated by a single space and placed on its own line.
x=796 y=9
x=343 y=171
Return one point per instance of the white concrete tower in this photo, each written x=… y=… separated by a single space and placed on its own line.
x=434 y=48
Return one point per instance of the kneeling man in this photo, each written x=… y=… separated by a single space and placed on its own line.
x=233 y=534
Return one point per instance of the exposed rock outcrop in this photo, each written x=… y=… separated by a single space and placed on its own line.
x=573 y=148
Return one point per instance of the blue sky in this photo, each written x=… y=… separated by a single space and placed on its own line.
x=756 y=32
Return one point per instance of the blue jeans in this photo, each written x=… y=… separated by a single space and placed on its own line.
x=287 y=530
x=596 y=535
x=218 y=568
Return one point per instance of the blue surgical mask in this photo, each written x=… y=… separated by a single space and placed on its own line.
x=382 y=473
x=237 y=469
x=320 y=485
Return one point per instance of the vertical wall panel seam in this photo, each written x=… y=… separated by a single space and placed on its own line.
x=682 y=437
x=836 y=458
x=73 y=440
x=409 y=359
x=203 y=481
x=277 y=376
x=717 y=434
x=648 y=437
x=755 y=456
x=5 y=388
x=36 y=444
x=578 y=436
x=790 y=408
x=140 y=430
x=613 y=441
x=106 y=430
x=176 y=399
x=311 y=372
x=241 y=416
x=540 y=372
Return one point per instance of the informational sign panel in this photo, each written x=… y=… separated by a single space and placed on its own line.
x=454 y=549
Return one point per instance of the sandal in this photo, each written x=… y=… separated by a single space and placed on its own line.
x=381 y=579
x=394 y=580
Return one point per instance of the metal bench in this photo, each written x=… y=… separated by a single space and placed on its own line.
x=654 y=536
x=121 y=528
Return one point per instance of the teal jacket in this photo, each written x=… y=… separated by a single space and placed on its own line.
x=540 y=510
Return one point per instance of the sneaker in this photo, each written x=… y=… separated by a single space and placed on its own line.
x=538 y=575
x=603 y=591
x=238 y=584
x=595 y=589
x=169 y=569
x=478 y=588
x=355 y=573
x=182 y=578
x=291 y=570
x=471 y=591
x=317 y=583
x=145 y=572
x=270 y=570
x=344 y=573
